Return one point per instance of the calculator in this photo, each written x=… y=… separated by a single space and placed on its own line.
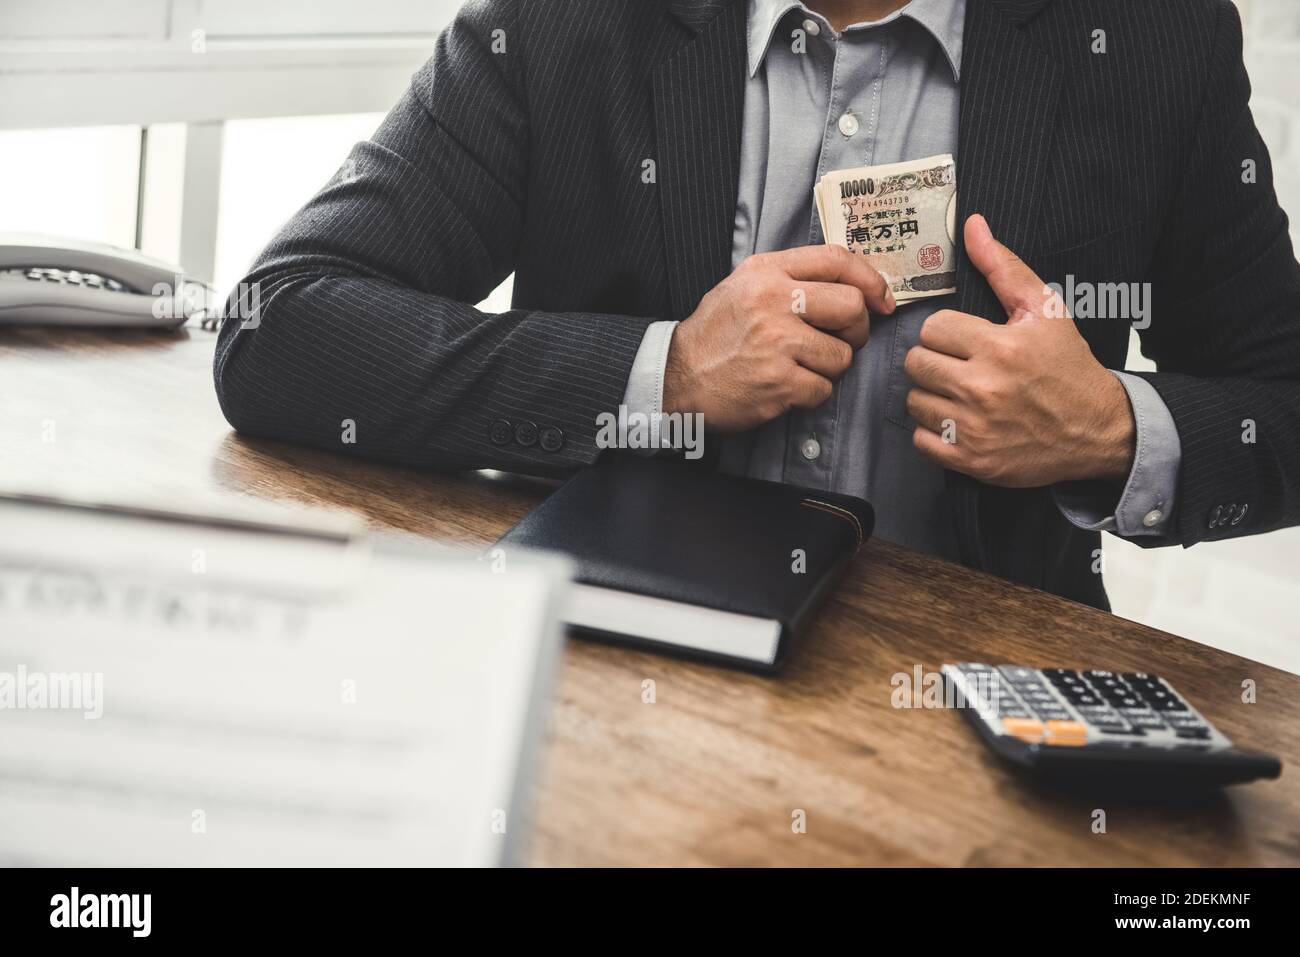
x=1102 y=727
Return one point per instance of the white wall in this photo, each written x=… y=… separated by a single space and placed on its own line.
x=188 y=70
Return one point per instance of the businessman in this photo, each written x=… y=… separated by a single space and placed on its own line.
x=646 y=169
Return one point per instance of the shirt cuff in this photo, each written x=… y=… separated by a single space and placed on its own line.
x=1146 y=506
x=645 y=383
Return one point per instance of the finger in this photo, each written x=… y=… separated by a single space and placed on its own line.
x=931 y=410
x=956 y=333
x=838 y=309
x=933 y=447
x=823 y=354
x=1016 y=285
x=828 y=263
x=808 y=389
x=936 y=372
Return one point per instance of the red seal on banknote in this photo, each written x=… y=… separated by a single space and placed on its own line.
x=929 y=257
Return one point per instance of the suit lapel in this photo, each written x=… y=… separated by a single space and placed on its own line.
x=1009 y=94
x=698 y=101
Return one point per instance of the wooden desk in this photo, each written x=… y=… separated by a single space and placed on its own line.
x=713 y=770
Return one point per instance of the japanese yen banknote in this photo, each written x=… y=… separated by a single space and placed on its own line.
x=901 y=217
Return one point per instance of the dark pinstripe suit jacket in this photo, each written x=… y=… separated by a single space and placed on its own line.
x=521 y=146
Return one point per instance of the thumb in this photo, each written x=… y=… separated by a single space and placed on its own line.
x=1017 y=287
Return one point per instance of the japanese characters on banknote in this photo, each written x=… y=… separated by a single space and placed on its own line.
x=902 y=217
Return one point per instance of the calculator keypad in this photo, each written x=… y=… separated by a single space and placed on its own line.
x=1068 y=708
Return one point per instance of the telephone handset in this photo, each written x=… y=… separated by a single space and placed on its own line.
x=50 y=280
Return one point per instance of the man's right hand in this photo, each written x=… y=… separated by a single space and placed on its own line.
x=772 y=336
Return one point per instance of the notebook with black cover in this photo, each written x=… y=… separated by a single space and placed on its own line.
x=686 y=560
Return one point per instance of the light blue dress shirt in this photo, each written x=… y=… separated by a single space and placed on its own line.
x=881 y=92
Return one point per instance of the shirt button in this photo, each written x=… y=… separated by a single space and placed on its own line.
x=848 y=124
x=811 y=28
x=810 y=448
x=1152 y=518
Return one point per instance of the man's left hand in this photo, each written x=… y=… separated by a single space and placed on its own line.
x=1023 y=404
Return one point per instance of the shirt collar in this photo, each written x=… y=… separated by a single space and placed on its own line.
x=943 y=19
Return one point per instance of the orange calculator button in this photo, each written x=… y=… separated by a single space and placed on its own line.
x=1026 y=729
x=1070 y=733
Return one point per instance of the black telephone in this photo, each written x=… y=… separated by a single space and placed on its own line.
x=49 y=280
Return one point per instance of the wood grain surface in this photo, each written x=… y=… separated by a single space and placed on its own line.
x=717 y=769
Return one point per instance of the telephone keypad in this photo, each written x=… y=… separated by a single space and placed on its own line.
x=66 y=277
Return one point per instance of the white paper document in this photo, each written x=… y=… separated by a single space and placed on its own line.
x=181 y=692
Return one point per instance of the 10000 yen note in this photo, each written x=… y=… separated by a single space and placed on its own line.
x=902 y=217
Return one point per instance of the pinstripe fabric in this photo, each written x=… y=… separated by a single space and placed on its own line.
x=699 y=98
x=1139 y=180
x=528 y=159
x=1002 y=116
x=1115 y=167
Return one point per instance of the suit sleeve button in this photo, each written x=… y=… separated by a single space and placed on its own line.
x=499 y=432
x=1215 y=515
x=552 y=440
x=526 y=433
